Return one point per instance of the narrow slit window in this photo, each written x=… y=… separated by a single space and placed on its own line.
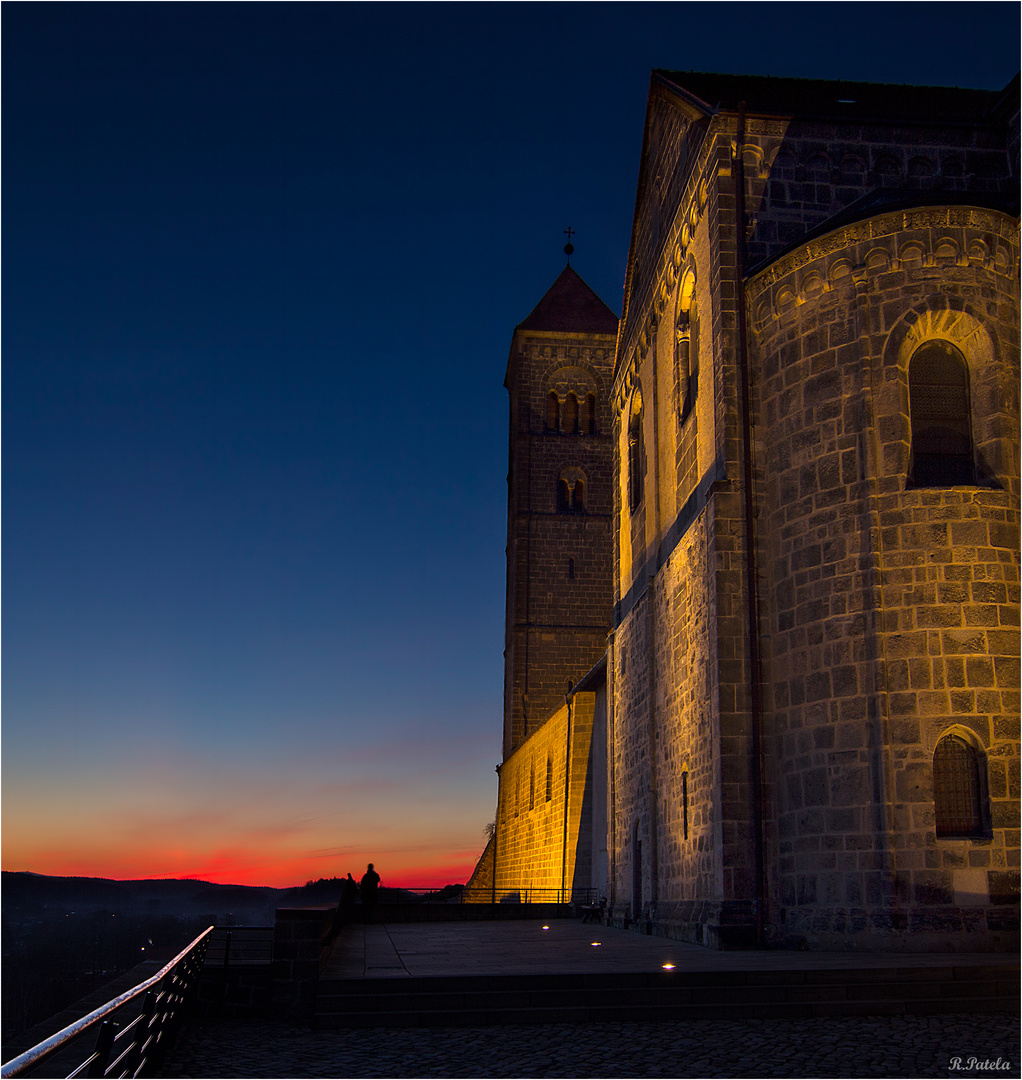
x=684 y=805
x=549 y=778
x=571 y=569
x=591 y=413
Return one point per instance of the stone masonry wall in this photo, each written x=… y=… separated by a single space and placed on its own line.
x=804 y=172
x=559 y=586
x=538 y=842
x=891 y=613
x=680 y=637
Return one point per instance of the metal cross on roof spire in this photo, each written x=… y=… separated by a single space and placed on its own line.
x=569 y=232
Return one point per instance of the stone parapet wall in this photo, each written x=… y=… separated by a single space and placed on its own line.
x=297 y=934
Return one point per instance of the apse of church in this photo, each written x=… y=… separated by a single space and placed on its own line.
x=805 y=731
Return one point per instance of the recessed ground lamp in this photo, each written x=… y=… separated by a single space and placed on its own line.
x=595 y=943
x=546 y=927
x=667 y=967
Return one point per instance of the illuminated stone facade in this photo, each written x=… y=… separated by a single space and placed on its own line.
x=560 y=469
x=812 y=679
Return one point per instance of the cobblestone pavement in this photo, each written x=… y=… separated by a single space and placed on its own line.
x=903 y=1046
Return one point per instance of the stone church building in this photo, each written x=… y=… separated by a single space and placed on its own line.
x=762 y=652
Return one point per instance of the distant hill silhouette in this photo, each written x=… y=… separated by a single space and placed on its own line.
x=33 y=894
x=67 y=936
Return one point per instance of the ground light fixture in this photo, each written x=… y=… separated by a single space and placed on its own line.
x=546 y=927
x=667 y=967
x=595 y=943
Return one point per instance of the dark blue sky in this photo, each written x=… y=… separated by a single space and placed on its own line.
x=261 y=268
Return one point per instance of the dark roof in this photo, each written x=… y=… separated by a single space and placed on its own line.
x=571 y=306
x=833 y=99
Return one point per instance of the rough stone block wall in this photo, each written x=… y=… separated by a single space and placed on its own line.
x=891 y=612
x=687 y=824
x=680 y=636
x=297 y=933
x=538 y=839
x=559 y=594
x=803 y=173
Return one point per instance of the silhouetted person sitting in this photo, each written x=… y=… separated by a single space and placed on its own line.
x=370 y=883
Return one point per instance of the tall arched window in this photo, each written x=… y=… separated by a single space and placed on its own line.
x=591 y=413
x=563 y=495
x=578 y=497
x=549 y=778
x=938 y=393
x=682 y=359
x=553 y=412
x=686 y=367
x=957 y=788
x=569 y=421
x=635 y=452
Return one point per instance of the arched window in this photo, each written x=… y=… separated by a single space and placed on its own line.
x=553 y=412
x=686 y=352
x=578 y=497
x=549 y=778
x=571 y=569
x=563 y=495
x=957 y=788
x=635 y=452
x=591 y=413
x=571 y=491
x=684 y=804
x=682 y=363
x=938 y=394
x=570 y=418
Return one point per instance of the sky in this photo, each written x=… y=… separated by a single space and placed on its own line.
x=261 y=267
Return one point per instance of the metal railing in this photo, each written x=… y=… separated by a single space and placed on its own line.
x=124 y=1047
x=239 y=946
x=426 y=893
x=525 y=894
x=528 y=895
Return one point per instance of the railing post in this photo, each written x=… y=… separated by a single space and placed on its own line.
x=104 y=1044
x=143 y=1031
x=227 y=961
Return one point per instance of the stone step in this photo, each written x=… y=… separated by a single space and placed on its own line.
x=483 y=1001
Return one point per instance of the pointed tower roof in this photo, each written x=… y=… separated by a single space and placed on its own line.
x=572 y=307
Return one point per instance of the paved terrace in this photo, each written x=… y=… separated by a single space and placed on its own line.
x=425 y=950
x=847 y=1046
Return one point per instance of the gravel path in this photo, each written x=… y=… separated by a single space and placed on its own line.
x=902 y=1046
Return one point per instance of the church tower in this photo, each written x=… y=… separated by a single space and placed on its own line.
x=560 y=501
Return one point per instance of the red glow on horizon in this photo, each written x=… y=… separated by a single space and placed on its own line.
x=225 y=868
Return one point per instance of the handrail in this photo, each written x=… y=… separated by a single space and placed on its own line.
x=21 y=1064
